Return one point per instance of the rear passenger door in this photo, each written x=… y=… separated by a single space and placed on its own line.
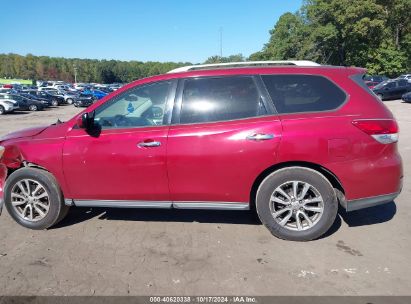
x=224 y=133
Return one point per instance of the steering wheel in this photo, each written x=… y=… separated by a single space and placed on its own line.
x=120 y=121
x=123 y=121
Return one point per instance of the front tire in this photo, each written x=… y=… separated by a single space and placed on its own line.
x=380 y=96
x=297 y=204
x=34 y=199
x=2 y=110
x=54 y=102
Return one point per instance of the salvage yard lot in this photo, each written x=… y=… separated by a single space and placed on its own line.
x=182 y=252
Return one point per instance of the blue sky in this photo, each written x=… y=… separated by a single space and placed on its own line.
x=151 y=30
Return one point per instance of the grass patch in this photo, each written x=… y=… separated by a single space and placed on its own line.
x=21 y=81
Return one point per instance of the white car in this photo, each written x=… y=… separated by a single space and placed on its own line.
x=406 y=77
x=7 y=106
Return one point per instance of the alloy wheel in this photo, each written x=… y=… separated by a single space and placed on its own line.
x=296 y=205
x=30 y=199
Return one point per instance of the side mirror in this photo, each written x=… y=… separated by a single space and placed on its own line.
x=86 y=121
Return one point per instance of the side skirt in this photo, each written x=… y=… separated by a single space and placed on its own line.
x=158 y=205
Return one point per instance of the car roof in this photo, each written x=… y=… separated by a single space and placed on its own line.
x=244 y=64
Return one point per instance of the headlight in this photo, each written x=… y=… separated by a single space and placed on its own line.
x=1 y=151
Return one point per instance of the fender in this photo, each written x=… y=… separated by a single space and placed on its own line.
x=45 y=154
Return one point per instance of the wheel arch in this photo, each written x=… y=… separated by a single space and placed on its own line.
x=329 y=175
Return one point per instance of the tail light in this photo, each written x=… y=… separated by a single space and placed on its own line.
x=384 y=131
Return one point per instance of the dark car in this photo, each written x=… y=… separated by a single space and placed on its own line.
x=55 y=100
x=392 y=89
x=83 y=100
x=46 y=103
x=406 y=97
x=375 y=78
x=25 y=103
x=371 y=84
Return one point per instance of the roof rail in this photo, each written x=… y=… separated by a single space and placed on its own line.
x=244 y=64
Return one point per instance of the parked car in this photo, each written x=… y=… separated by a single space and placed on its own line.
x=7 y=106
x=54 y=100
x=406 y=97
x=45 y=102
x=406 y=77
x=96 y=93
x=392 y=89
x=371 y=84
x=69 y=97
x=289 y=141
x=83 y=100
x=106 y=90
x=23 y=102
x=375 y=78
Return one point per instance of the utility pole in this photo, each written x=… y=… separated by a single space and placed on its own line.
x=221 y=42
x=75 y=73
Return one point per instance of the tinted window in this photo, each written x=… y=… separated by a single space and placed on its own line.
x=391 y=85
x=219 y=99
x=137 y=107
x=303 y=93
x=403 y=83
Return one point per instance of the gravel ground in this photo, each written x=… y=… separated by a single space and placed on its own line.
x=181 y=252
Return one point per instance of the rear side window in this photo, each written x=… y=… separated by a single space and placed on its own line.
x=220 y=99
x=303 y=93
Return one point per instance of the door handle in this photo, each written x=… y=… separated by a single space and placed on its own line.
x=260 y=136
x=149 y=144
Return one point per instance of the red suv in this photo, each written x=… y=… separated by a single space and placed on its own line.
x=289 y=141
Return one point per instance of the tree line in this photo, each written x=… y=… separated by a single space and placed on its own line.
x=375 y=34
x=87 y=70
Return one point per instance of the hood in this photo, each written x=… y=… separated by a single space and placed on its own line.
x=23 y=133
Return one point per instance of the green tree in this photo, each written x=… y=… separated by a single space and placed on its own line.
x=369 y=33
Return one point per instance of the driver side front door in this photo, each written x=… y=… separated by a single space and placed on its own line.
x=125 y=165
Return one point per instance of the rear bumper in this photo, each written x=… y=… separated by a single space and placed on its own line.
x=368 y=202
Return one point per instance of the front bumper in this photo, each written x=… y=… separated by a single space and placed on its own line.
x=11 y=109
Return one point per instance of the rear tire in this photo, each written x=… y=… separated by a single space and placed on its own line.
x=280 y=215
x=70 y=101
x=45 y=207
x=54 y=102
x=33 y=108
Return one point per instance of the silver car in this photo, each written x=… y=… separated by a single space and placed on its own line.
x=7 y=106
